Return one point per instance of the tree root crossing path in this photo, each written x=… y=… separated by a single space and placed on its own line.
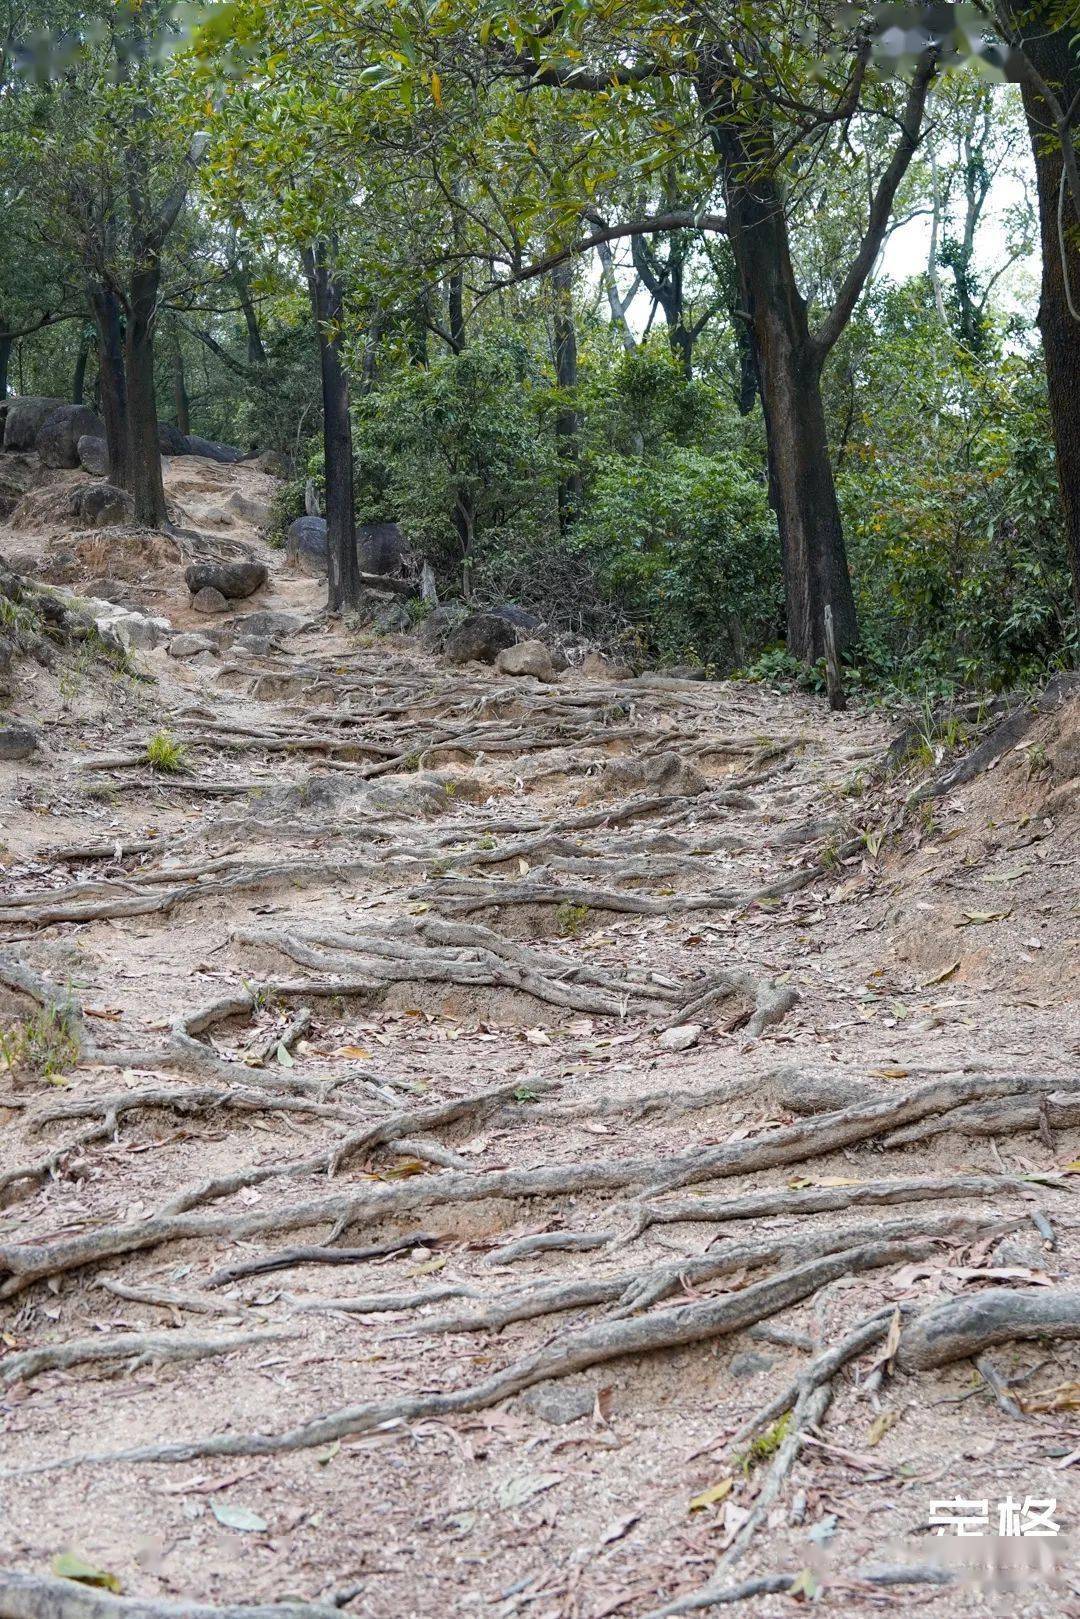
x=473 y=1145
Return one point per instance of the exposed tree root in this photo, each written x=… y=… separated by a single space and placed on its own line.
x=290 y=1258
x=826 y=1199
x=140 y=1348
x=328 y=1160
x=710 y=1596
x=639 y=1290
x=577 y=1351
x=34 y=1596
x=961 y=1328
x=26 y=1262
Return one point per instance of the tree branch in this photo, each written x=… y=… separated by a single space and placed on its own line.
x=881 y=207
x=679 y=219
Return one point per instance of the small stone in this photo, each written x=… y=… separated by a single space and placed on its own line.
x=681 y=1038
x=807 y=1094
x=209 y=600
x=526 y=658
x=558 y=1403
x=17 y=742
x=750 y=1364
x=186 y=646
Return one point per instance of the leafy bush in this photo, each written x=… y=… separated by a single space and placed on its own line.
x=686 y=542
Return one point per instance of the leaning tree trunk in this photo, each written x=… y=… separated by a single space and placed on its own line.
x=788 y=371
x=343 y=567
x=78 y=380
x=178 y=382
x=1050 y=52
x=113 y=384
x=566 y=376
x=144 y=448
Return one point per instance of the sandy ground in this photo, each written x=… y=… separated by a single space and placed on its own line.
x=341 y=784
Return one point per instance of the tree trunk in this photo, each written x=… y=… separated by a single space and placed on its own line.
x=178 y=380
x=456 y=311
x=566 y=417
x=343 y=567
x=5 y=361
x=1050 y=53
x=78 y=380
x=617 y=304
x=106 y=310
x=256 y=353
x=788 y=368
x=144 y=449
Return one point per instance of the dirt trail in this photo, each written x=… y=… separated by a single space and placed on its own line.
x=530 y=1000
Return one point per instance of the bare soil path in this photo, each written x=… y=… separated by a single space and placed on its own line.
x=505 y=1137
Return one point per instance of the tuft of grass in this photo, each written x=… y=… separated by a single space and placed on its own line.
x=42 y=1044
x=765 y=1444
x=165 y=754
x=571 y=919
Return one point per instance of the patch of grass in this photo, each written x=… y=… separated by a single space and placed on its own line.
x=571 y=919
x=525 y=1093
x=42 y=1044
x=765 y=1444
x=166 y=755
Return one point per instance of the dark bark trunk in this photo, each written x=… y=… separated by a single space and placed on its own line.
x=566 y=376
x=178 y=381
x=256 y=353
x=144 y=450
x=343 y=568
x=5 y=361
x=1059 y=66
x=106 y=310
x=788 y=369
x=78 y=380
x=456 y=312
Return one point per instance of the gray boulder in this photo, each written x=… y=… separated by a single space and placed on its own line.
x=480 y=638
x=188 y=645
x=171 y=441
x=305 y=542
x=225 y=453
x=439 y=623
x=209 y=600
x=93 y=455
x=24 y=419
x=138 y=634
x=381 y=547
x=102 y=505
x=59 y=434
x=17 y=742
x=255 y=512
x=255 y=626
x=235 y=580
x=526 y=658
x=519 y=617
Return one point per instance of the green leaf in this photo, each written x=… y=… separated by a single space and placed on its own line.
x=70 y=1566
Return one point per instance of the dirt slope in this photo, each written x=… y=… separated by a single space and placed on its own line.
x=383 y=889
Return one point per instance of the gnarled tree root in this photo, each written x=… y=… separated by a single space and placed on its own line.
x=961 y=1328
x=577 y=1351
